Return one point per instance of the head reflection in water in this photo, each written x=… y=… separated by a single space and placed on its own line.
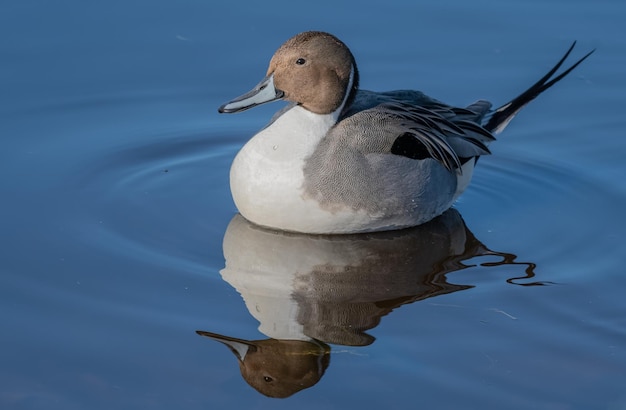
x=278 y=368
x=308 y=291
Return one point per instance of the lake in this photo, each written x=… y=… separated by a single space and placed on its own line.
x=127 y=279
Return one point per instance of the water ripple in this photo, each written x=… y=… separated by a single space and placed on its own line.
x=159 y=200
x=544 y=209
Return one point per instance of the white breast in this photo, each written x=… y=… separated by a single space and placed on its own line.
x=266 y=177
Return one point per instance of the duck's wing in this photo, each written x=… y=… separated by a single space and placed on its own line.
x=432 y=130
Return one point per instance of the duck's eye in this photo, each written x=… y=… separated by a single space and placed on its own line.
x=268 y=379
x=300 y=61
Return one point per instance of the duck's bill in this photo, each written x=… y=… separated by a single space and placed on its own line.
x=262 y=93
x=238 y=346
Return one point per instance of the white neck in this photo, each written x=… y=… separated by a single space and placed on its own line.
x=337 y=112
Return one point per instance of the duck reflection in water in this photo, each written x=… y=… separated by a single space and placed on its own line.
x=309 y=291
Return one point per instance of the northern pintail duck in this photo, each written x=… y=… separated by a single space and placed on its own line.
x=343 y=160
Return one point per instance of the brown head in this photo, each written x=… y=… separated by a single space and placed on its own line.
x=313 y=69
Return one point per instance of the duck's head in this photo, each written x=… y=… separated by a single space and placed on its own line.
x=312 y=69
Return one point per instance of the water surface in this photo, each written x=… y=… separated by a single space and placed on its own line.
x=121 y=240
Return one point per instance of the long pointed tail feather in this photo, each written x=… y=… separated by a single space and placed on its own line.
x=500 y=118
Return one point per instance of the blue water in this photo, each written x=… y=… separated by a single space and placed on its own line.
x=117 y=240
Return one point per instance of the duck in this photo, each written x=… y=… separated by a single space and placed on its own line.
x=338 y=159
